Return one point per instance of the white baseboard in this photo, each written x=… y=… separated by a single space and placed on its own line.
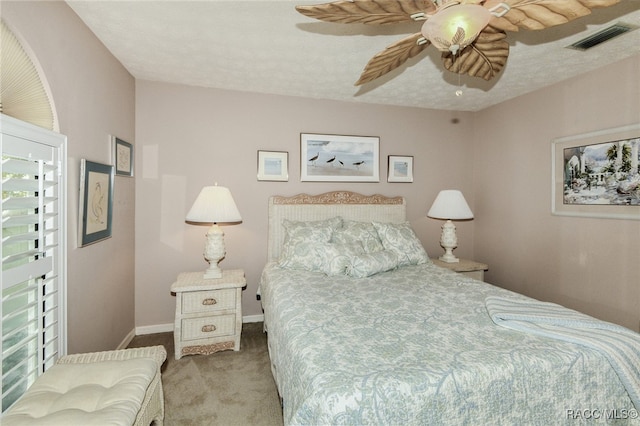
x=253 y=318
x=166 y=328
x=128 y=338
x=153 y=329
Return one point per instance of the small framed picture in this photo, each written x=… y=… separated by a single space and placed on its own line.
x=400 y=168
x=273 y=165
x=122 y=157
x=96 y=202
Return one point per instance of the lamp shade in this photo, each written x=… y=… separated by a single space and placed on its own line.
x=214 y=205
x=456 y=27
x=450 y=204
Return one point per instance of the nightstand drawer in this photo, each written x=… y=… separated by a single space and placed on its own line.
x=208 y=301
x=208 y=327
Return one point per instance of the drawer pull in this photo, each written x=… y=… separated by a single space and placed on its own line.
x=209 y=301
x=208 y=328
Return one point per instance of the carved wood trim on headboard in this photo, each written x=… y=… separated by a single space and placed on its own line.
x=337 y=197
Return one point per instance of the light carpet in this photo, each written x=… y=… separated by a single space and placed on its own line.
x=225 y=388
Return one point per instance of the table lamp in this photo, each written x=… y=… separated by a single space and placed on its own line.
x=449 y=205
x=214 y=206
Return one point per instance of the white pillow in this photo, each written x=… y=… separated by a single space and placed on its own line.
x=295 y=229
x=369 y=264
x=400 y=238
x=364 y=232
x=299 y=241
x=335 y=258
x=331 y=259
x=301 y=255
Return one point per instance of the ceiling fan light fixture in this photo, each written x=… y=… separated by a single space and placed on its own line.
x=456 y=27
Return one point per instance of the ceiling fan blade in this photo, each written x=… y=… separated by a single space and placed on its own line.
x=540 y=14
x=484 y=58
x=368 y=11
x=392 y=57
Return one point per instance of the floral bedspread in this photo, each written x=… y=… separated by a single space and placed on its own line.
x=416 y=346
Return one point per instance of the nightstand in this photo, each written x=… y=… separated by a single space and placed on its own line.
x=465 y=267
x=208 y=312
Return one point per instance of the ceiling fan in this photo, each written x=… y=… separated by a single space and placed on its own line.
x=470 y=33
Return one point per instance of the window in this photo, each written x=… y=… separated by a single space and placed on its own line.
x=33 y=252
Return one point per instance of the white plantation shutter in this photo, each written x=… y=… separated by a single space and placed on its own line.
x=32 y=308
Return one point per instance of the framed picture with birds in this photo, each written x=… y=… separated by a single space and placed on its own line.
x=338 y=158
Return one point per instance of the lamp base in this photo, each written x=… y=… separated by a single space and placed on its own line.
x=449 y=241
x=213 y=272
x=449 y=258
x=214 y=251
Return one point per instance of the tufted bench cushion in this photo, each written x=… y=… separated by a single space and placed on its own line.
x=102 y=392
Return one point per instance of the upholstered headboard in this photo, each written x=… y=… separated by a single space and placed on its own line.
x=348 y=205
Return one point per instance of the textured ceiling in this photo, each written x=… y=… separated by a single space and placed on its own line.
x=266 y=46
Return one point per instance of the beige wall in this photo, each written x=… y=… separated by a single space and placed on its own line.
x=592 y=265
x=499 y=157
x=190 y=137
x=94 y=97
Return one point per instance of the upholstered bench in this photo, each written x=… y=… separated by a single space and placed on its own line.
x=121 y=387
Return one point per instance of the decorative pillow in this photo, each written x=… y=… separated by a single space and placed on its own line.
x=400 y=238
x=292 y=227
x=299 y=240
x=301 y=255
x=369 y=264
x=364 y=232
x=335 y=258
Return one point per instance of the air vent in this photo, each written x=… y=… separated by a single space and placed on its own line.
x=601 y=36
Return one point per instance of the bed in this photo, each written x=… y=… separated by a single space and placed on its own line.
x=373 y=342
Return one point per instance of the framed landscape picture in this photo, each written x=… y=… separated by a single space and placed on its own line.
x=336 y=158
x=596 y=174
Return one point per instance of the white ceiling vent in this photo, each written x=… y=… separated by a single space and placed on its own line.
x=601 y=36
